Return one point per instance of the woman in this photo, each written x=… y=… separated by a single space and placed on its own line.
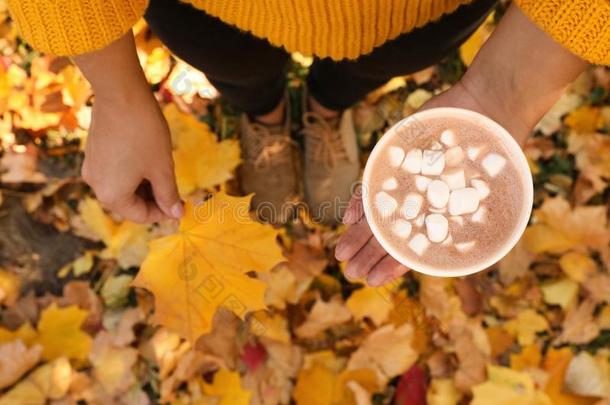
x=243 y=47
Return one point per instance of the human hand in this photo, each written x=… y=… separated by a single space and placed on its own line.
x=513 y=80
x=128 y=159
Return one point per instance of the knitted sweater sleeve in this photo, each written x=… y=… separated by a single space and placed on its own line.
x=582 y=26
x=73 y=27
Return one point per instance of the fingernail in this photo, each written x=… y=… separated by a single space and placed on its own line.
x=177 y=210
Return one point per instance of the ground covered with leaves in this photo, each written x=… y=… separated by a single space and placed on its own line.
x=221 y=309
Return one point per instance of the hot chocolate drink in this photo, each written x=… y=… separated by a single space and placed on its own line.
x=447 y=192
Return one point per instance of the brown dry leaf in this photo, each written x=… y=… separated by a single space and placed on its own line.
x=515 y=264
x=439 y=300
x=322 y=316
x=50 y=381
x=598 y=287
x=16 y=360
x=559 y=227
x=473 y=352
x=388 y=351
x=80 y=293
x=112 y=365
x=499 y=340
x=579 y=326
x=592 y=153
x=19 y=164
x=408 y=310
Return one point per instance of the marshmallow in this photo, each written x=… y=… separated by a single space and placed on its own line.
x=419 y=221
x=463 y=201
x=385 y=203
x=412 y=162
x=454 y=178
x=421 y=183
x=482 y=188
x=465 y=246
x=473 y=152
x=458 y=220
x=454 y=156
x=493 y=164
x=438 y=210
x=437 y=227
x=419 y=243
x=397 y=154
x=448 y=137
x=438 y=194
x=410 y=208
x=433 y=162
x=479 y=215
x=390 y=184
x=402 y=228
x=447 y=241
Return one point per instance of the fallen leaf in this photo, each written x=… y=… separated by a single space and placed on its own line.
x=555 y=363
x=526 y=325
x=387 y=351
x=10 y=285
x=585 y=376
x=584 y=119
x=529 y=357
x=200 y=160
x=561 y=292
x=577 y=266
x=218 y=242
x=16 y=360
x=59 y=332
x=507 y=387
x=412 y=387
x=560 y=228
x=442 y=391
x=579 y=325
x=370 y=302
x=322 y=316
x=227 y=387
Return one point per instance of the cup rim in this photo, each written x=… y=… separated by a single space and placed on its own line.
x=520 y=161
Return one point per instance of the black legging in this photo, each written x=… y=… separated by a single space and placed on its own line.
x=250 y=73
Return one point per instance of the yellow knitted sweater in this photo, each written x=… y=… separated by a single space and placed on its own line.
x=334 y=28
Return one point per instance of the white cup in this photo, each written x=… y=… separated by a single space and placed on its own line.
x=515 y=154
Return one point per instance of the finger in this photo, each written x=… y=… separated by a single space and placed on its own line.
x=139 y=210
x=354 y=211
x=385 y=271
x=166 y=194
x=353 y=240
x=366 y=258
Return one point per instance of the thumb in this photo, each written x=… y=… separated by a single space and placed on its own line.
x=166 y=194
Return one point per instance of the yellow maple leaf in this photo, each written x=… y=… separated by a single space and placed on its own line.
x=507 y=387
x=561 y=292
x=200 y=160
x=59 y=333
x=127 y=242
x=227 y=387
x=370 y=302
x=526 y=325
x=560 y=228
x=203 y=267
x=25 y=333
